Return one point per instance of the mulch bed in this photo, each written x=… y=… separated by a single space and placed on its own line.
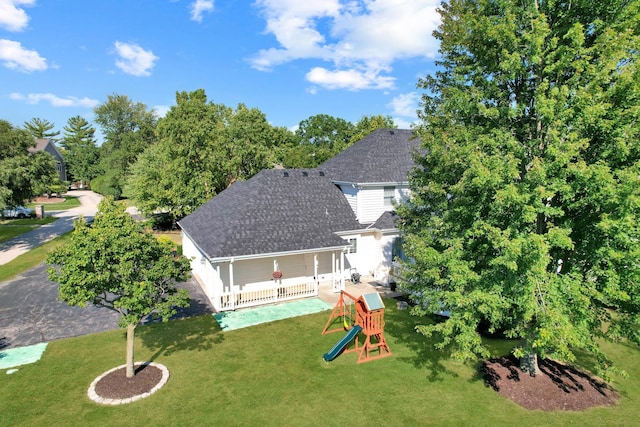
x=45 y=200
x=116 y=385
x=557 y=387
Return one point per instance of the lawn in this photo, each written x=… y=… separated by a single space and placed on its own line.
x=273 y=374
x=69 y=203
x=13 y=228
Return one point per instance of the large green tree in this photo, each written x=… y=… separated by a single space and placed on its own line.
x=114 y=263
x=23 y=174
x=368 y=124
x=41 y=128
x=525 y=210
x=320 y=137
x=202 y=148
x=128 y=128
x=323 y=136
x=80 y=150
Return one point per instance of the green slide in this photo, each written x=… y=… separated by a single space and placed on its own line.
x=340 y=345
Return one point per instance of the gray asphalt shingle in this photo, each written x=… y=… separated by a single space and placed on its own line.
x=271 y=213
x=292 y=210
x=385 y=155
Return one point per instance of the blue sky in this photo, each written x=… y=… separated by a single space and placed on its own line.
x=290 y=58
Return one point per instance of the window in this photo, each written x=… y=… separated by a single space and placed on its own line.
x=354 y=246
x=389 y=196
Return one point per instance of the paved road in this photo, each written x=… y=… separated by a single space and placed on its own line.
x=17 y=246
x=29 y=310
x=31 y=314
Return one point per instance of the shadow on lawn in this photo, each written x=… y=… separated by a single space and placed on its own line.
x=196 y=333
x=401 y=325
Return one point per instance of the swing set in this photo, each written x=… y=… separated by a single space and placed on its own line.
x=364 y=314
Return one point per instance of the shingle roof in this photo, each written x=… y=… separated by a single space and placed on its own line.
x=272 y=213
x=386 y=221
x=385 y=155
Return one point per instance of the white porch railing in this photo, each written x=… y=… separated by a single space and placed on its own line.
x=267 y=294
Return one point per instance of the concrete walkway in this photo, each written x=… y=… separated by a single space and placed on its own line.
x=17 y=246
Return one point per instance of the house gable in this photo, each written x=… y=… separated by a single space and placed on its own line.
x=48 y=146
x=276 y=211
x=373 y=173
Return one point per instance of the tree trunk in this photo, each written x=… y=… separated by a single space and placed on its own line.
x=130 y=337
x=529 y=364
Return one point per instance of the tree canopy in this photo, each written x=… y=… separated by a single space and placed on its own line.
x=114 y=263
x=41 y=128
x=322 y=136
x=128 y=129
x=23 y=174
x=524 y=213
x=80 y=150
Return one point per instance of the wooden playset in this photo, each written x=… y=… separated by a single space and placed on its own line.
x=368 y=319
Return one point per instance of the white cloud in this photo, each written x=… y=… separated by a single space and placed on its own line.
x=134 y=60
x=405 y=105
x=15 y=57
x=13 y=18
x=348 y=79
x=404 y=124
x=198 y=7
x=161 y=110
x=55 y=101
x=404 y=109
x=355 y=36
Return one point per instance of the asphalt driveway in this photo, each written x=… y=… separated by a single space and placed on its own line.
x=30 y=312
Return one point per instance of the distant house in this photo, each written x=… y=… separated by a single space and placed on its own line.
x=284 y=233
x=49 y=146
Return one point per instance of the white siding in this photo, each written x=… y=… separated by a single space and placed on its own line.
x=367 y=257
x=351 y=194
x=403 y=193
x=371 y=204
x=203 y=271
x=252 y=271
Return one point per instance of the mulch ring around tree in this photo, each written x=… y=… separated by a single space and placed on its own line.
x=557 y=387
x=114 y=388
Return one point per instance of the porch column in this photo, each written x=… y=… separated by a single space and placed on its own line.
x=342 y=270
x=315 y=268
x=333 y=269
x=231 y=286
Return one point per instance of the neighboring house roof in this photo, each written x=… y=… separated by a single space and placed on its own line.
x=276 y=211
x=47 y=145
x=383 y=156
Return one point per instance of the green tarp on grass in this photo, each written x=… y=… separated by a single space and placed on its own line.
x=13 y=357
x=230 y=320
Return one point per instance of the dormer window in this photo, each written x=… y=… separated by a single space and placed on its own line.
x=389 y=195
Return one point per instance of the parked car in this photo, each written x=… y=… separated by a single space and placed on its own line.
x=18 y=212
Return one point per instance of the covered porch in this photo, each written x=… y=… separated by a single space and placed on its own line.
x=242 y=282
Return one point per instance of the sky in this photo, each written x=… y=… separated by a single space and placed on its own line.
x=291 y=59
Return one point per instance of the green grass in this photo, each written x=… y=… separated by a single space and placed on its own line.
x=273 y=374
x=69 y=203
x=11 y=228
x=10 y=231
x=32 y=258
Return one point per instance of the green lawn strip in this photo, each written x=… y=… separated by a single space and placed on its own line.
x=29 y=221
x=69 y=202
x=10 y=231
x=273 y=374
x=13 y=228
x=30 y=259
